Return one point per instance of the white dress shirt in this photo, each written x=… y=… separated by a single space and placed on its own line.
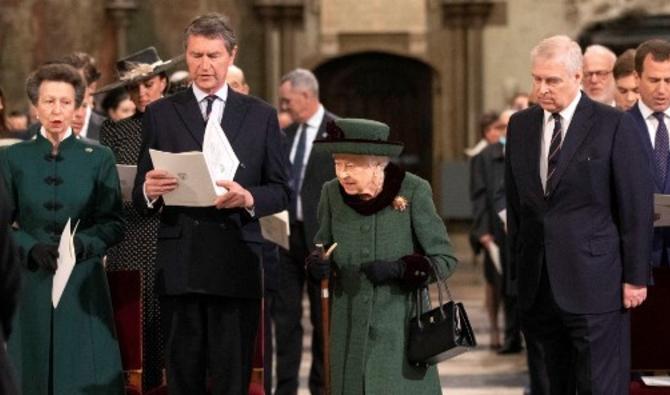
x=311 y=128
x=217 y=106
x=651 y=121
x=547 y=131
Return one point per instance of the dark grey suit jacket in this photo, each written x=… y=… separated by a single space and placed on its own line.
x=205 y=250
x=319 y=169
x=94 y=125
x=593 y=229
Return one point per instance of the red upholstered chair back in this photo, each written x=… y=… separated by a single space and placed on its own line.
x=650 y=343
x=126 y=290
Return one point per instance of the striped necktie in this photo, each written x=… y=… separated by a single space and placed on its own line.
x=554 y=150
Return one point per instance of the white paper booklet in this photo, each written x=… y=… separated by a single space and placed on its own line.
x=67 y=258
x=127 y=179
x=196 y=187
x=219 y=155
x=656 y=381
x=275 y=228
x=494 y=253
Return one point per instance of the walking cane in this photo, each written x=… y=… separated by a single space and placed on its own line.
x=325 y=320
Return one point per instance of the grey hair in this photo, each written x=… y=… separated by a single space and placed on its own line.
x=212 y=26
x=560 y=48
x=600 y=50
x=302 y=79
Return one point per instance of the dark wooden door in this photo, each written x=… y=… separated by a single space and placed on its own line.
x=392 y=89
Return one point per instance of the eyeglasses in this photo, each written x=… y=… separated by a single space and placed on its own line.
x=601 y=74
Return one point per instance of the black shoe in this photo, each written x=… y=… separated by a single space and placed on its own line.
x=510 y=348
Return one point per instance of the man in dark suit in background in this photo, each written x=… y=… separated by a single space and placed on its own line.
x=209 y=258
x=9 y=291
x=299 y=95
x=652 y=114
x=487 y=187
x=579 y=210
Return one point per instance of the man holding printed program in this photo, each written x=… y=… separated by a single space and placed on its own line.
x=209 y=257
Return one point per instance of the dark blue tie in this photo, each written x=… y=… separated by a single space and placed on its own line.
x=210 y=102
x=296 y=169
x=661 y=147
x=554 y=149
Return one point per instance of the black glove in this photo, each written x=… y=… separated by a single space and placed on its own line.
x=417 y=271
x=382 y=272
x=318 y=266
x=43 y=256
x=78 y=249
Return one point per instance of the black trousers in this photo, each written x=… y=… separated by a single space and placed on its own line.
x=287 y=314
x=211 y=338
x=575 y=353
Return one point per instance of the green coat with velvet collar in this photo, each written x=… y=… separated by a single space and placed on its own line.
x=80 y=183
x=369 y=323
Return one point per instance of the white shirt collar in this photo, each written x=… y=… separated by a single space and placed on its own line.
x=67 y=134
x=648 y=112
x=566 y=113
x=315 y=120
x=200 y=95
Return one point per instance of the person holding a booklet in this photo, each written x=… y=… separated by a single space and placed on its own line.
x=63 y=343
x=390 y=240
x=144 y=74
x=209 y=251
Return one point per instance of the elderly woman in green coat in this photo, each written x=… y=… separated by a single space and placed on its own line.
x=385 y=224
x=70 y=349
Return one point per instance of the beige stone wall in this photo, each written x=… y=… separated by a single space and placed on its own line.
x=507 y=48
x=373 y=16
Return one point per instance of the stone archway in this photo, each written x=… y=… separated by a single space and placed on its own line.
x=392 y=89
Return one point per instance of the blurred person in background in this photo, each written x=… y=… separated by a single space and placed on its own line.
x=87 y=122
x=235 y=79
x=520 y=101
x=144 y=75
x=55 y=178
x=18 y=120
x=598 y=81
x=486 y=173
x=626 y=93
x=117 y=105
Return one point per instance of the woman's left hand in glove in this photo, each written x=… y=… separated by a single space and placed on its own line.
x=383 y=272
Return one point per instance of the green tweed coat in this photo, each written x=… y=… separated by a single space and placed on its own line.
x=368 y=323
x=81 y=183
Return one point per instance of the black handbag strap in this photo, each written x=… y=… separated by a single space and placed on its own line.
x=441 y=282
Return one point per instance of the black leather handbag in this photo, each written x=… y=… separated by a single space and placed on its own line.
x=441 y=333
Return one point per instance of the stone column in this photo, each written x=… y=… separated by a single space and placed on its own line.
x=280 y=18
x=465 y=20
x=120 y=11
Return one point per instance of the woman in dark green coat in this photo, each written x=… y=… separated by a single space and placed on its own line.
x=71 y=349
x=385 y=224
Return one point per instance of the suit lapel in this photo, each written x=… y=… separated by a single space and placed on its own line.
x=187 y=108
x=233 y=114
x=580 y=126
x=533 y=148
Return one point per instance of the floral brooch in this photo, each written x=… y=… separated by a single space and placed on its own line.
x=400 y=203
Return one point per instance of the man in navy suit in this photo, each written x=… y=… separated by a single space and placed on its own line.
x=299 y=96
x=652 y=114
x=579 y=195
x=209 y=259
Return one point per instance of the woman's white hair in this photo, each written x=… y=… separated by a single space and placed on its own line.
x=562 y=49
